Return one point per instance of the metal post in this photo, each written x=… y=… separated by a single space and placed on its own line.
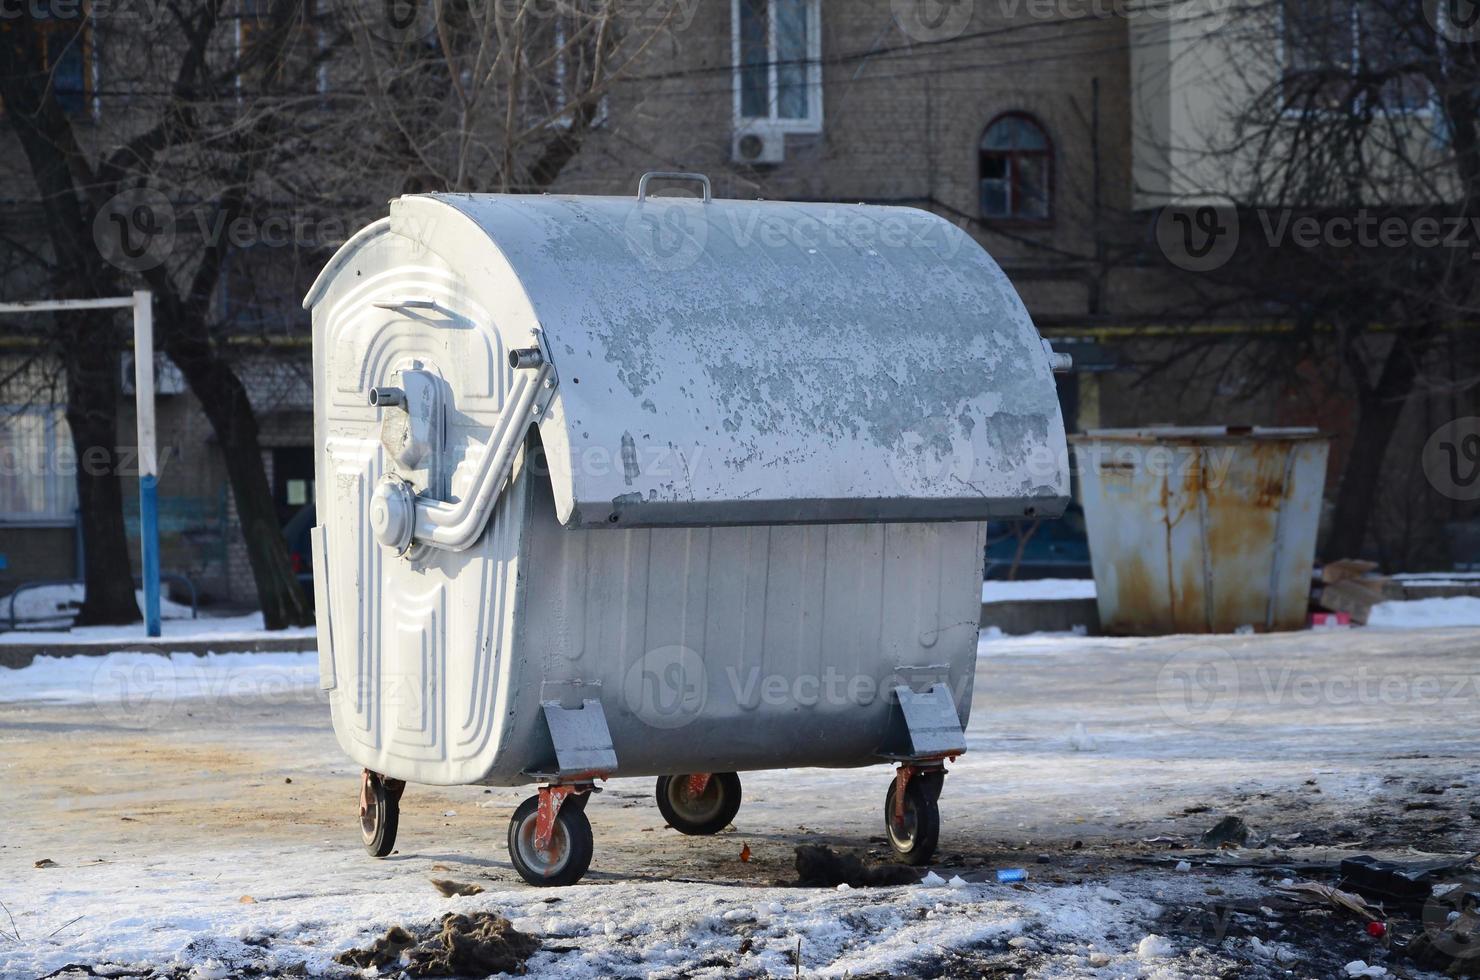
x=148 y=457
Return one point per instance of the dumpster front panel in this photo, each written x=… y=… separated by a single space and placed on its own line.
x=418 y=648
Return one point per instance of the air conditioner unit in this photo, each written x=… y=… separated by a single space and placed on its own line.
x=758 y=144
x=167 y=378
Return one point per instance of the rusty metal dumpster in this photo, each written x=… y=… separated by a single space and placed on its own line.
x=1202 y=530
x=670 y=487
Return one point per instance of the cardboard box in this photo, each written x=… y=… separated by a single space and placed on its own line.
x=1350 y=596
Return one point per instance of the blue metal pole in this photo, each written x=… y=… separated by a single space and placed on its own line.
x=149 y=545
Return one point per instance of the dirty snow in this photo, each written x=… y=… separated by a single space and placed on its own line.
x=1044 y=588
x=1426 y=613
x=162 y=816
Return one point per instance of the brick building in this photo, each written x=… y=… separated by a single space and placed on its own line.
x=1026 y=124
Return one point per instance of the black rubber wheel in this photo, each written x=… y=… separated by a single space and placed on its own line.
x=913 y=841
x=571 y=845
x=381 y=816
x=699 y=816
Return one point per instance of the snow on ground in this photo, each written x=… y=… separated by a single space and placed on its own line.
x=54 y=604
x=1439 y=578
x=138 y=678
x=206 y=628
x=1043 y=588
x=214 y=832
x=627 y=929
x=1426 y=613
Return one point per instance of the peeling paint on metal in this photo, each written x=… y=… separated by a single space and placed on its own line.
x=812 y=352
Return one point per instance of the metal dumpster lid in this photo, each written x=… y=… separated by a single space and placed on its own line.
x=740 y=362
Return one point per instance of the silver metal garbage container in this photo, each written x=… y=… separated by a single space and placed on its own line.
x=665 y=486
x=1201 y=530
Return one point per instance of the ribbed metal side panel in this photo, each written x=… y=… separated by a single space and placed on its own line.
x=740 y=648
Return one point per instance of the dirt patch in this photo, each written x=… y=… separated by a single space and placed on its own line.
x=824 y=867
x=465 y=945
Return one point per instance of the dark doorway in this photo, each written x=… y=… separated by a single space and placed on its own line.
x=292 y=480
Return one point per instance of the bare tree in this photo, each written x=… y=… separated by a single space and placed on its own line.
x=1346 y=136
x=252 y=114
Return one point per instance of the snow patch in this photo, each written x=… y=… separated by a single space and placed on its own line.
x=1426 y=613
x=1038 y=589
x=147 y=682
x=1155 y=947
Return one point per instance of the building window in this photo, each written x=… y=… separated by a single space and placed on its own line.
x=1016 y=170
x=299 y=65
x=63 y=54
x=575 y=58
x=1348 y=54
x=38 y=482
x=778 y=64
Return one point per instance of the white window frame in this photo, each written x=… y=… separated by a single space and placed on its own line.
x=562 y=74
x=59 y=486
x=813 y=122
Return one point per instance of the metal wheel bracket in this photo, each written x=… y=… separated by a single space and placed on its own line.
x=925 y=725
x=393 y=789
x=579 y=741
x=912 y=770
x=698 y=783
x=552 y=798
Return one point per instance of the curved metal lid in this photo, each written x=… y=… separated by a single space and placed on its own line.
x=732 y=362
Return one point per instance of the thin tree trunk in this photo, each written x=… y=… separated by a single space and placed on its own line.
x=92 y=415
x=1379 y=407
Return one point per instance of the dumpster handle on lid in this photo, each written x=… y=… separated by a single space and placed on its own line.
x=647 y=178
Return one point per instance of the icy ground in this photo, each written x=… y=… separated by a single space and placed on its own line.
x=207 y=828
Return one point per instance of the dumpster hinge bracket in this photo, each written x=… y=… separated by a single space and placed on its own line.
x=580 y=739
x=924 y=726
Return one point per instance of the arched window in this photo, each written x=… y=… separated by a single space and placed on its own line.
x=1016 y=169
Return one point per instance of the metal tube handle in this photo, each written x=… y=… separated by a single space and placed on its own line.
x=642 y=185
